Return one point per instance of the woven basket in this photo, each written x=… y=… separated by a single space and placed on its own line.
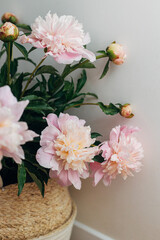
x=32 y=217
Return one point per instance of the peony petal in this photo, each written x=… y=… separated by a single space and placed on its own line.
x=52 y=119
x=43 y=158
x=86 y=39
x=49 y=148
x=53 y=174
x=88 y=54
x=18 y=109
x=6 y=96
x=23 y=39
x=106 y=150
x=85 y=174
x=67 y=58
x=107 y=180
x=17 y=157
x=63 y=178
x=129 y=130
x=74 y=178
x=49 y=134
x=97 y=172
x=114 y=134
x=28 y=136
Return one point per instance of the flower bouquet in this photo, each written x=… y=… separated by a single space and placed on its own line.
x=38 y=138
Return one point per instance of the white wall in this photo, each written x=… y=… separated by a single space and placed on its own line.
x=127 y=210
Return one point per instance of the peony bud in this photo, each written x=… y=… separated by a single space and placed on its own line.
x=126 y=111
x=8 y=32
x=116 y=53
x=9 y=17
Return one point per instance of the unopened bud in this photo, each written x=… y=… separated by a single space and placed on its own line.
x=9 y=17
x=116 y=53
x=126 y=111
x=8 y=32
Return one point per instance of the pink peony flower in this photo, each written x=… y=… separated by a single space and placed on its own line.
x=116 y=53
x=122 y=155
x=62 y=37
x=65 y=149
x=13 y=133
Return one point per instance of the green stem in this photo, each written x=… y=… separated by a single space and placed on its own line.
x=76 y=66
x=9 y=63
x=11 y=57
x=31 y=77
x=79 y=104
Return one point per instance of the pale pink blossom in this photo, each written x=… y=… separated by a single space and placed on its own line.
x=62 y=37
x=116 y=53
x=66 y=149
x=122 y=155
x=13 y=133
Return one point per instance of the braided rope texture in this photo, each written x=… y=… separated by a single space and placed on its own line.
x=30 y=215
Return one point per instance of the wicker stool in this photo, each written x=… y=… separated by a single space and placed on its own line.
x=31 y=217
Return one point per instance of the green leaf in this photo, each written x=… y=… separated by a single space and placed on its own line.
x=106 y=68
x=91 y=94
x=21 y=177
x=66 y=70
x=75 y=104
x=110 y=109
x=54 y=83
x=59 y=109
x=102 y=52
x=87 y=65
x=68 y=89
x=81 y=81
x=39 y=183
x=3 y=75
x=45 y=69
x=59 y=93
x=32 y=97
x=28 y=60
x=32 y=49
x=95 y=135
x=85 y=94
x=34 y=120
x=97 y=143
x=98 y=158
x=17 y=86
x=22 y=49
x=31 y=90
x=14 y=67
x=35 y=175
x=39 y=106
x=3 y=45
x=2 y=52
x=120 y=105
x=26 y=74
x=36 y=167
x=24 y=26
x=43 y=84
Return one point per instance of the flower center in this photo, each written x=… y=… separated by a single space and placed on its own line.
x=72 y=153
